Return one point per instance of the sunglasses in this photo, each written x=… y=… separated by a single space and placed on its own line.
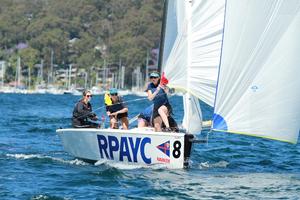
x=116 y=94
x=89 y=96
x=152 y=77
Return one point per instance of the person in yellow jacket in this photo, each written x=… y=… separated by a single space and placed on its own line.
x=116 y=109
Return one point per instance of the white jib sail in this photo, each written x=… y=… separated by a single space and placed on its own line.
x=192 y=46
x=192 y=120
x=191 y=53
x=259 y=87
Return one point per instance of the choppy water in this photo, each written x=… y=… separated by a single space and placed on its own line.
x=33 y=164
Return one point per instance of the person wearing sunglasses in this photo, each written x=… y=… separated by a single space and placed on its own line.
x=116 y=109
x=82 y=113
x=157 y=93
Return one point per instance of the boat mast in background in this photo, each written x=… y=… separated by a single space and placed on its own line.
x=2 y=67
x=18 y=73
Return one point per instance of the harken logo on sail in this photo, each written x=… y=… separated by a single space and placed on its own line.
x=165 y=148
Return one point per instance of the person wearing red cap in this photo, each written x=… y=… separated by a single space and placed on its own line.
x=157 y=92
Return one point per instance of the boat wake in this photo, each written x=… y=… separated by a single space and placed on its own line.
x=112 y=164
x=207 y=165
x=124 y=166
x=46 y=197
x=38 y=156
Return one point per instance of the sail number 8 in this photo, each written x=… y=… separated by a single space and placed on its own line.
x=176 y=151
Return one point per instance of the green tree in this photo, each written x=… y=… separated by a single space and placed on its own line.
x=105 y=30
x=29 y=58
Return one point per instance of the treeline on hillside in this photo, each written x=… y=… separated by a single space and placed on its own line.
x=81 y=32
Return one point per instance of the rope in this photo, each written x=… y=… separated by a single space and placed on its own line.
x=129 y=101
x=207 y=137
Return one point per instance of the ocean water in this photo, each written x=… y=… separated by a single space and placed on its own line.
x=33 y=164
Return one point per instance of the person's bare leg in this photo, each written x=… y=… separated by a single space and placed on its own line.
x=113 y=123
x=163 y=112
x=125 y=123
x=157 y=123
x=141 y=123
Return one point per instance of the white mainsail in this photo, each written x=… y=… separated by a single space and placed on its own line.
x=259 y=87
x=192 y=46
x=191 y=53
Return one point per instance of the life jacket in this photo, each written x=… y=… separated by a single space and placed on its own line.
x=107 y=99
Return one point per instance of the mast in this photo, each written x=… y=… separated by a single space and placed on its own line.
x=122 y=77
x=70 y=73
x=51 y=65
x=2 y=64
x=104 y=76
x=85 y=80
x=119 y=74
x=18 y=73
x=41 y=70
x=163 y=31
x=29 y=78
x=147 y=70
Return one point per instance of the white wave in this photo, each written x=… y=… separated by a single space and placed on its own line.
x=38 y=156
x=118 y=165
x=24 y=156
x=220 y=164
x=100 y=162
x=123 y=166
x=40 y=197
x=127 y=166
x=45 y=197
x=75 y=162
x=204 y=165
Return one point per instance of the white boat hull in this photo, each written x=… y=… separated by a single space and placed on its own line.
x=136 y=146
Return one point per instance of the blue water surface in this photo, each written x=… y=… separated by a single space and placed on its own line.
x=33 y=164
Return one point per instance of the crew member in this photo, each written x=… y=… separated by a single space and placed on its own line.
x=82 y=113
x=157 y=92
x=145 y=120
x=116 y=109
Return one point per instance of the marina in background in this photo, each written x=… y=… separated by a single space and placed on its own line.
x=73 y=80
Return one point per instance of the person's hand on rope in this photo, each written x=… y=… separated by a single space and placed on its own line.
x=114 y=114
x=95 y=118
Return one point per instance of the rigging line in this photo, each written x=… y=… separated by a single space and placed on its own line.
x=169 y=97
x=134 y=100
x=207 y=137
x=129 y=101
x=133 y=119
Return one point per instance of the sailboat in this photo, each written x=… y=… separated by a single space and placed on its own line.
x=70 y=90
x=248 y=73
x=239 y=57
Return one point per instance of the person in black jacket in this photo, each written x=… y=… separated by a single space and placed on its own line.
x=82 y=112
